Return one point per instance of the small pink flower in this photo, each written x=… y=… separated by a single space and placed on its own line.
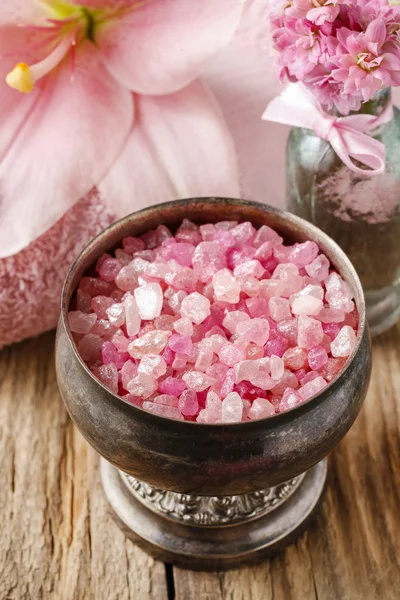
x=316 y=11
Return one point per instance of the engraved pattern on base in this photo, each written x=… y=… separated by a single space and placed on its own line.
x=211 y=510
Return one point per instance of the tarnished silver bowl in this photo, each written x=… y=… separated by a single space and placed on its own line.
x=211 y=496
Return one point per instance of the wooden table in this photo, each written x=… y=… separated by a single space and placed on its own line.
x=57 y=540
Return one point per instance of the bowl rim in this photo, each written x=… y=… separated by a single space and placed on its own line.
x=289 y=218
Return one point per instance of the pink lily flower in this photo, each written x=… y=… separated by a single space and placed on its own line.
x=106 y=94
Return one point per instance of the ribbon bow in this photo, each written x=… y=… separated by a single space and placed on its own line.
x=298 y=107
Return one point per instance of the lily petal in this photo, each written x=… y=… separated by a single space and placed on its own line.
x=70 y=137
x=20 y=11
x=179 y=147
x=160 y=46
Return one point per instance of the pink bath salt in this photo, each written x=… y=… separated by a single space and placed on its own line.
x=326 y=343
x=83 y=302
x=255 y=330
x=197 y=381
x=95 y=287
x=108 y=375
x=131 y=244
x=285 y=271
x=281 y=253
x=351 y=319
x=249 y=267
x=300 y=373
x=224 y=238
x=103 y=328
x=266 y=234
x=116 y=314
x=172 y=385
x=207 y=259
x=152 y=364
x=123 y=257
x=166 y=400
x=331 y=329
x=149 y=300
x=165 y=321
x=232 y=320
x=338 y=293
x=330 y=315
x=290 y=399
x=213 y=342
x=262 y=380
x=132 y=316
x=303 y=254
x=270 y=264
x=128 y=371
x=237 y=256
x=184 y=326
x=276 y=346
x=288 y=380
x=117 y=296
x=163 y=235
x=168 y=412
x=195 y=307
x=245 y=370
x=332 y=368
x=182 y=344
x=188 y=403
x=260 y=409
x=317 y=358
x=180 y=361
x=277 y=367
x=310 y=332
x=218 y=371
x=264 y=252
x=310 y=376
x=101 y=260
x=269 y=288
x=257 y=307
x=312 y=388
x=110 y=269
x=213 y=411
x=343 y=344
x=279 y=308
x=244 y=233
x=288 y=328
x=152 y=342
x=188 y=236
x=204 y=359
x=143 y=385
x=227 y=381
x=226 y=225
x=207 y=232
x=99 y=305
x=175 y=298
x=295 y=358
x=120 y=341
x=81 y=322
x=135 y=400
x=182 y=252
x=109 y=353
x=229 y=354
x=254 y=352
x=89 y=347
x=249 y=285
x=306 y=305
x=226 y=287
x=318 y=268
x=232 y=408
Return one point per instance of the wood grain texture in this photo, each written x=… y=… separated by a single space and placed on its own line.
x=57 y=540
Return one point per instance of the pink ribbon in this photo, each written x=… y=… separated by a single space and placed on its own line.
x=298 y=107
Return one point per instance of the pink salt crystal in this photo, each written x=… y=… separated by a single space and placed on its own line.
x=227 y=382
x=172 y=386
x=232 y=408
x=338 y=293
x=120 y=341
x=312 y=388
x=218 y=371
x=89 y=347
x=244 y=233
x=83 y=301
x=277 y=367
x=99 y=305
x=290 y=399
x=163 y=235
x=295 y=358
x=245 y=370
x=318 y=268
x=207 y=259
x=108 y=353
x=288 y=380
x=310 y=332
x=250 y=267
x=257 y=307
x=117 y=295
x=260 y=409
x=300 y=373
x=330 y=315
x=207 y=231
x=175 y=299
x=127 y=278
x=123 y=257
x=188 y=403
x=150 y=239
x=166 y=400
x=253 y=352
x=255 y=330
x=131 y=244
x=226 y=225
x=197 y=381
x=249 y=285
x=281 y=253
x=149 y=300
x=310 y=376
x=229 y=354
x=168 y=412
x=139 y=265
x=246 y=409
x=135 y=400
x=331 y=329
x=276 y=346
x=95 y=287
x=104 y=328
x=128 y=372
x=279 y=308
x=181 y=252
x=142 y=385
x=270 y=264
x=180 y=362
x=101 y=260
x=110 y=269
x=332 y=368
x=262 y=380
x=224 y=238
x=344 y=342
x=81 y=322
x=165 y=322
x=326 y=343
x=188 y=225
x=184 y=326
x=266 y=234
x=289 y=329
x=195 y=307
x=108 y=375
x=352 y=319
x=213 y=408
x=182 y=344
x=189 y=236
x=233 y=318
x=168 y=356
x=317 y=358
x=133 y=320
x=152 y=342
x=226 y=287
x=306 y=305
x=153 y=364
x=116 y=314
x=204 y=359
x=237 y=256
x=264 y=252
x=303 y=254
x=271 y=287
x=213 y=342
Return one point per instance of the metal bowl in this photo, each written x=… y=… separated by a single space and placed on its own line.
x=216 y=459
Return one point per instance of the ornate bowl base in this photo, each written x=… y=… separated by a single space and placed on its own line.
x=213 y=533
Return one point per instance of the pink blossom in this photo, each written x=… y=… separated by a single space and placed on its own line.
x=316 y=11
x=110 y=98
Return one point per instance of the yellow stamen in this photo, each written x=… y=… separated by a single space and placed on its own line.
x=21 y=78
